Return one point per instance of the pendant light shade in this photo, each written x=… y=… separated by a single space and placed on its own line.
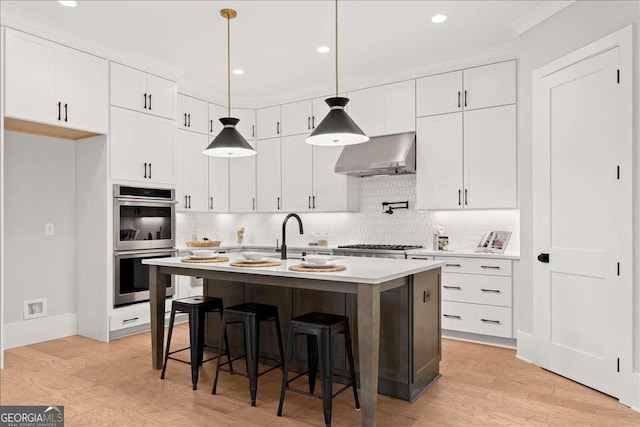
x=229 y=142
x=337 y=128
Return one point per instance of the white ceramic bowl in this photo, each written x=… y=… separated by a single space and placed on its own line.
x=204 y=253
x=252 y=256
x=318 y=259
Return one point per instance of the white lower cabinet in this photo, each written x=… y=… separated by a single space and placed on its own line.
x=477 y=296
x=134 y=315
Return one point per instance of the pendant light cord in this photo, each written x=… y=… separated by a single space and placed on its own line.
x=228 y=67
x=336 y=48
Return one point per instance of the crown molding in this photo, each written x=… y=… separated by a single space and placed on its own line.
x=539 y=14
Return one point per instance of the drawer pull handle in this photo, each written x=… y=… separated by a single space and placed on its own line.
x=133 y=319
x=495 y=322
x=451 y=316
x=451 y=287
x=452 y=265
x=495 y=267
x=495 y=291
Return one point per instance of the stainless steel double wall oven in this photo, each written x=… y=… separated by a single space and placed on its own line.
x=143 y=227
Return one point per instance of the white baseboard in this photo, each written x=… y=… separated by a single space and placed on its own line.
x=38 y=330
x=525 y=347
x=479 y=339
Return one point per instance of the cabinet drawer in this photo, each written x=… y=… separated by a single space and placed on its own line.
x=477 y=319
x=477 y=288
x=496 y=267
x=129 y=319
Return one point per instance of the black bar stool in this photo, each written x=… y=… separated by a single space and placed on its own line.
x=197 y=308
x=319 y=329
x=250 y=315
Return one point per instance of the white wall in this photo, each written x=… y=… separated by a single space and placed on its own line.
x=40 y=187
x=578 y=25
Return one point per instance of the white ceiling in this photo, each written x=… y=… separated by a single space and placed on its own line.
x=275 y=41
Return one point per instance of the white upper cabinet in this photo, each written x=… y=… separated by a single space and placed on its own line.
x=52 y=84
x=439 y=163
x=218 y=184
x=193 y=114
x=296 y=118
x=439 y=94
x=490 y=85
x=384 y=110
x=268 y=173
x=247 y=124
x=139 y=91
x=215 y=113
x=320 y=110
x=242 y=183
x=268 y=122
x=141 y=147
x=332 y=192
x=479 y=87
x=490 y=158
x=297 y=174
x=192 y=192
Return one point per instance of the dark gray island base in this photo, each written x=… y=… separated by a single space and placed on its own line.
x=409 y=327
x=393 y=307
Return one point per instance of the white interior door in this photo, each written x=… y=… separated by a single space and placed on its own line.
x=579 y=217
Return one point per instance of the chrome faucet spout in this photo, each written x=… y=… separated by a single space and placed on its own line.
x=283 y=247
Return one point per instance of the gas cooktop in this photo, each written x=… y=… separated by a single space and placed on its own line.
x=380 y=247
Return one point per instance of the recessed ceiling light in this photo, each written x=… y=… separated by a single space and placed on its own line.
x=323 y=49
x=68 y=3
x=238 y=72
x=437 y=19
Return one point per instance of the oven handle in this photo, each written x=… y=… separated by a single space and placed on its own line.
x=148 y=252
x=132 y=200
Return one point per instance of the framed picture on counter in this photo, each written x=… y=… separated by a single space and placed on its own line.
x=494 y=242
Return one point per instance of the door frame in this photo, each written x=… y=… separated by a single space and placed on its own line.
x=629 y=382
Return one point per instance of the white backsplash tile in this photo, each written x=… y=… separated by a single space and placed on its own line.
x=370 y=225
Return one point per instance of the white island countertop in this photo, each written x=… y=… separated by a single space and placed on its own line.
x=359 y=270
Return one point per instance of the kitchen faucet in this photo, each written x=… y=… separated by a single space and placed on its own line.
x=283 y=247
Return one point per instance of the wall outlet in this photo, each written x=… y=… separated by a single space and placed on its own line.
x=48 y=229
x=35 y=308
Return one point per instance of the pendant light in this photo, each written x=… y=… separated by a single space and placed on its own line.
x=229 y=142
x=337 y=128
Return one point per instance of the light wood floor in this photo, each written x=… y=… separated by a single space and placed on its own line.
x=113 y=384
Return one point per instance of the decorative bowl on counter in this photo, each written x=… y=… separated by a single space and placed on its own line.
x=253 y=256
x=318 y=259
x=202 y=243
x=204 y=253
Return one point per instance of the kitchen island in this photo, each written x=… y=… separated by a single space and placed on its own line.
x=407 y=345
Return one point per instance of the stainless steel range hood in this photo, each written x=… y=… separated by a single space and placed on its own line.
x=381 y=155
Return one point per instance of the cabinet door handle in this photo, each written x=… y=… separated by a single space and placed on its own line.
x=308 y=122
x=466 y=201
x=313 y=122
x=309 y=202
x=459 y=198
x=189 y=202
x=278 y=203
x=145 y=170
x=211 y=203
x=458 y=99
x=59 y=110
x=145 y=101
x=465 y=98
x=495 y=322
x=186 y=204
x=133 y=319
x=494 y=267
x=278 y=128
x=313 y=201
x=189 y=117
x=149 y=170
x=185 y=119
x=253 y=203
x=493 y=291
x=451 y=316
x=149 y=102
x=253 y=131
x=210 y=126
x=452 y=287
x=452 y=265
x=65 y=112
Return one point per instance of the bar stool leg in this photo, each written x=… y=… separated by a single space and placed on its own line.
x=285 y=375
x=166 y=353
x=222 y=335
x=252 y=350
x=312 y=361
x=226 y=344
x=279 y=336
x=326 y=374
x=194 y=333
x=352 y=371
